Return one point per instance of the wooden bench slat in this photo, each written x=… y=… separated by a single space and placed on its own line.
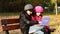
x=10 y=21
x=11 y=27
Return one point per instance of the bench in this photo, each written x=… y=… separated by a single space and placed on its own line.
x=10 y=24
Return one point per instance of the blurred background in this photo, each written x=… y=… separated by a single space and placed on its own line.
x=12 y=8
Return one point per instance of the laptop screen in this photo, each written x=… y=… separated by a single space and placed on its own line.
x=45 y=20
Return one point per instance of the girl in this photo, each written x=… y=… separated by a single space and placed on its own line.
x=38 y=14
x=38 y=10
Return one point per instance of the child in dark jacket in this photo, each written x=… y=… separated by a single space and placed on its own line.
x=25 y=19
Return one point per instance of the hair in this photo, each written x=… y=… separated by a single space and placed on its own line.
x=29 y=10
x=34 y=14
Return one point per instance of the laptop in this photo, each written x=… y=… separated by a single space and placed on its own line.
x=45 y=21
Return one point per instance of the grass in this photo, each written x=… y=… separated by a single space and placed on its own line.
x=17 y=13
x=9 y=13
x=55 y=22
x=49 y=13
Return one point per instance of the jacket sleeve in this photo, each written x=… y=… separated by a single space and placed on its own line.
x=22 y=17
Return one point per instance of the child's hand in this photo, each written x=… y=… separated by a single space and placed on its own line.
x=39 y=22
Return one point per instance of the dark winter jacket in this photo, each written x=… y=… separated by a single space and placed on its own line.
x=25 y=22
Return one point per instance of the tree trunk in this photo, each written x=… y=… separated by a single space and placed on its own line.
x=56 y=7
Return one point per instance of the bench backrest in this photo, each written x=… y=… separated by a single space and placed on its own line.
x=10 y=24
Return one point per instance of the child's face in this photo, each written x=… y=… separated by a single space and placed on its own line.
x=38 y=14
x=29 y=12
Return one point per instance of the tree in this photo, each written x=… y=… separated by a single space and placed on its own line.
x=38 y=2
x=56 y=7
x=16 y=5
x=12 y=5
